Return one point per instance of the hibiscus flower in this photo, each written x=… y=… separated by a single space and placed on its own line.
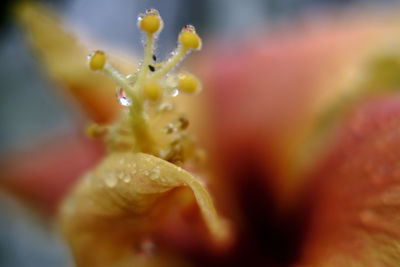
x=301 y=133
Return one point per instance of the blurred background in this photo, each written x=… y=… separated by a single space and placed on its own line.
x=31 y=111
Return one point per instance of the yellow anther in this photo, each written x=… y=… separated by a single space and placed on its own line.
x=97 y=60
x=150 y=24
x=190 y=40
x=188 y=83
x=152 y=90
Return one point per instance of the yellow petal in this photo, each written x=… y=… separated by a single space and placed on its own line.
x=65 y=61
x=121 y=201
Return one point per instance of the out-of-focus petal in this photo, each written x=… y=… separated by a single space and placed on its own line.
x=356 y=195
x=65 y=61
x=269 y=96
x=41 y=175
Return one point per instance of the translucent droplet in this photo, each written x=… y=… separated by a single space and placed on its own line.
x=149 y=12
x=188 y=28
x=140 y=17
x=152 y=12
x=122 y=98
x=165 y=106
x=111 y=180
x=165 y=153
x=127 y=178
x=131 y=77
x=155 y=173
x=173 y=92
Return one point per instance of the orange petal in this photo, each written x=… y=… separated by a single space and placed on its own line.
x=41 y=175
x=356 y=195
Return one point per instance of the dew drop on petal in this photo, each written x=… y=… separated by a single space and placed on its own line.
x=155 y=173
x=127 y=178
x=111 y=180
x=122 y=98
x=121 y=175
x=165 y=153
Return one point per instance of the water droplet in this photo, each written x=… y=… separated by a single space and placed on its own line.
x=173 y=92
x=155 y=173
x=188 y=28
x=152 y=12
x=131 y=77
x=149 y=12
x=127 y=178
x=131 y=165
x=165 y=152
x=165 y=106
x=140 y=17
x=122 y=98
x=111 y=180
